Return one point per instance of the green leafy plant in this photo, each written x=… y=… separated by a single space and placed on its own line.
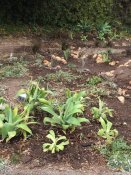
x=94 y=80
x=118 y=154
x=66 y=115
x=104 y=30
x=67 y=53
x=33 y=96
x=60 y=76
x=58 y=143
x=106 y=132
x=102 y=111
x=12 y=123
x=84 y=26
x=83 y=37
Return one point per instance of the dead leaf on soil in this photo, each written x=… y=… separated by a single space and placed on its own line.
x=47 y=63
x=59 y=59
x=75 y=54
x=122 y=91
x=110 y=74
x=121 y=99
x=113 y=63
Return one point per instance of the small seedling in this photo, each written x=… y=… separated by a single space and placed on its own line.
x=58 y=143
x=102 y=111
x=106 y=132
x=67 y=53
x=83 y=37
x=94 y=80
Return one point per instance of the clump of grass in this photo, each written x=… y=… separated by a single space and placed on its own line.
x=94 y=80
x=60 y=76
x=97 y=91
x=15 y=70
x=118 y=154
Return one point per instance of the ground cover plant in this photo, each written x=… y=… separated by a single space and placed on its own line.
x=15 y=70
x=118 y=154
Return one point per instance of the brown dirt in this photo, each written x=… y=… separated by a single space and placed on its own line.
x=81 y=151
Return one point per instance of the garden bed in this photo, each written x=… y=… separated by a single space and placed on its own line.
x=114 y=89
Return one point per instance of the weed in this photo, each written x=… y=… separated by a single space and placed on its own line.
x=83 y=37
x=84 y=26
x=67 y=53
x=106 y=132
x=58 y=143
x=97 y=91
x=104 y=30
x=102 y=111
x=15 y=70
x=118 y=154
x=94 y=80
x=60 y=76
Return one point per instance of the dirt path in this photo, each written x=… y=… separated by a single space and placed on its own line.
x=58 y=170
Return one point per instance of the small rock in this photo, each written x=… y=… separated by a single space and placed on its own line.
x=121 y=99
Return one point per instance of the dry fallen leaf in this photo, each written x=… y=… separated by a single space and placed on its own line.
x=113 y=63
x=99 y=59
x=122 y=91
x=47 y=63
x=60 y=59
x=110 y=74
x=121 y=99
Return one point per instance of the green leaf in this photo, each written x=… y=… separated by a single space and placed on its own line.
x=2 y=117
x=1 y=123
x=100 y=132
x=7 y=127
x=48 y=109
x=82 y=119
x=42 y=100
x=73 y=121
x=24 y=127
x=11 y=134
